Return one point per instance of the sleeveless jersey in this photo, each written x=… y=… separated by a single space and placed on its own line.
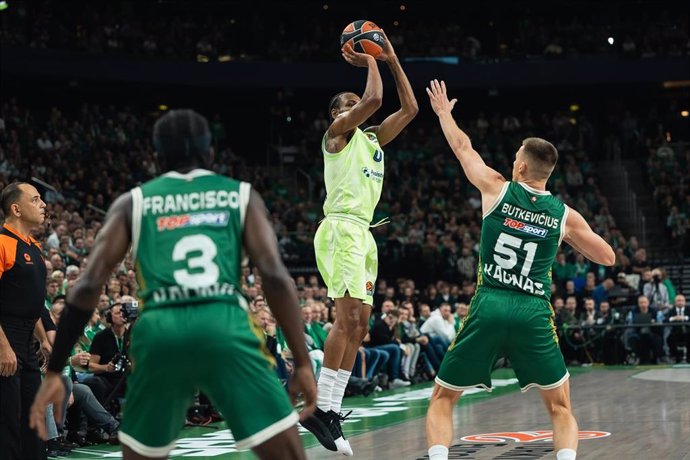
x=354 y=177
x=187 y=238
x=520 y=238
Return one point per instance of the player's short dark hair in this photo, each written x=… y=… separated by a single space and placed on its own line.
x=542 y=155
x=182 y=138
x=10 y=195
x=335 y=102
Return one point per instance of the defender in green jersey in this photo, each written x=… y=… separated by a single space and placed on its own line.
x=187 y=230
x=345 y=250
x=510 y=313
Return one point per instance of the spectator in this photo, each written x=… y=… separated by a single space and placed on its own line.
x=680 y=335
x=408 y=334
x=106 y=349
x=601 y=292
x=382 y=337
x=424 y=313
x=667 y=282
x=440 y=328
x=562 y=270
x=315 y=337
x=645 y=344
x=610 y=349
x=571 y=338
x=656 y=291
x=444 y=296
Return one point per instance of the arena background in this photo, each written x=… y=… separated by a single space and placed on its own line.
x=609 y=83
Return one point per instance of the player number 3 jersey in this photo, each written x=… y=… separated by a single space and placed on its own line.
x=520 y=238
x=187 y=238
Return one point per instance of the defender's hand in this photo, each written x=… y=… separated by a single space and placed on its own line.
x=355 y=58
x=303 y=382
x=438 y=97
x=52 y=390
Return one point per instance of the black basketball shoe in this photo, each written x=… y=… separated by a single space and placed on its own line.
x=342 y=444
x=320 y=424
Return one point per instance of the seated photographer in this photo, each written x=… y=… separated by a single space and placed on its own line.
x=84 y=418
x=108 y=355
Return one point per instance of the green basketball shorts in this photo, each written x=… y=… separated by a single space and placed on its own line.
x=505 y=323
x=347 y=258
x=215 y=348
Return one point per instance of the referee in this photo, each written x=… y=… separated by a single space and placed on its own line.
x=22 y=295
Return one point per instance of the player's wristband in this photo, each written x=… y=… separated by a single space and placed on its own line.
x=71 y=327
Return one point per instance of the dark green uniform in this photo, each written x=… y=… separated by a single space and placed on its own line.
x=510 y=314
x=194 y=332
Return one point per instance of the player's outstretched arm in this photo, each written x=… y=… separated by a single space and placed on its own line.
x=486 y=179
x=262 y=247
x=580 y=236
x=110 y=248
x=396 y=122
x=371 y=98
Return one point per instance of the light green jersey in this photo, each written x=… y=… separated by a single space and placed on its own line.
x=354 y=177
x=520 y=238
x=187 y=238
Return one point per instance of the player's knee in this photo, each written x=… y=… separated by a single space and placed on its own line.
x=444 y=395
x=349 y=324
x=557 y=408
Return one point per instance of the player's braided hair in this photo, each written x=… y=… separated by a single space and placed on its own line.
x=182 y=138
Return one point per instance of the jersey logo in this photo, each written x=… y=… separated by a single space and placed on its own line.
x=370 y=288
x=215 y=219
x=27 y=257
x=525 y=228
x=378 y=156
x=376 y=176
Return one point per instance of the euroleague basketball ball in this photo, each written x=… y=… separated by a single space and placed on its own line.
x=364 y=37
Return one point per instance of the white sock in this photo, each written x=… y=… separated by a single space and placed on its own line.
x=438 y=452
x=566 y=454
x=325 y=388
x=339 y=389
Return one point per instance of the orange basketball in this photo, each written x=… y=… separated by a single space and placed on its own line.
x=364 y=37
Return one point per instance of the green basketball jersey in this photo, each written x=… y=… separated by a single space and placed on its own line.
x=520 y=237
x=354 y=176
x=187 y=238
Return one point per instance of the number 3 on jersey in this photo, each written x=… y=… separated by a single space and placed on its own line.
x=201 y=270
x=505 y=245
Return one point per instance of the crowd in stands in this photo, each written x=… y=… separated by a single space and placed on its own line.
x=299 y=31
x=668 y=168
x=428 y=253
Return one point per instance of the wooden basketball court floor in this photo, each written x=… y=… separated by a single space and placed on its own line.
x=627 y=413
x=646 y=412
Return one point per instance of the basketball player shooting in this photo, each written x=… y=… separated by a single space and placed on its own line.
x=346 y=252
x=510 y=315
